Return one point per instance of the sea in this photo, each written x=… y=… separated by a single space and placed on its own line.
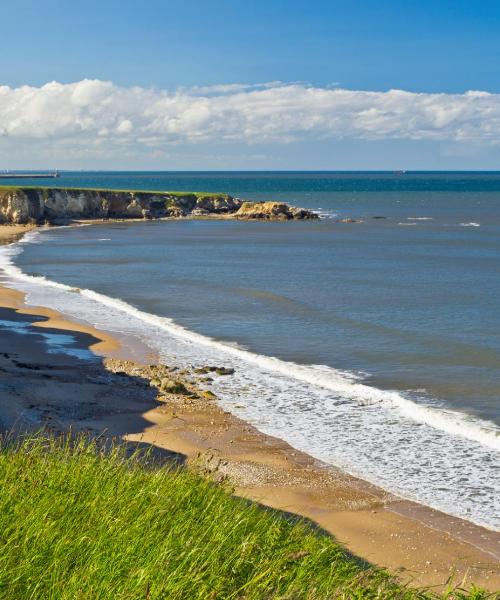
x=369 y=339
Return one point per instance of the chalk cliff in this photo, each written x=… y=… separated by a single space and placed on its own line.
x=60 y=205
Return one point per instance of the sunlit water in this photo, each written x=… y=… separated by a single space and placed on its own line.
x=374 y=346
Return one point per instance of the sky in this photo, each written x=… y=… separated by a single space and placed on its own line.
x=250 y=85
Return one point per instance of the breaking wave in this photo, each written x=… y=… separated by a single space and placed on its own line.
x=402 y=442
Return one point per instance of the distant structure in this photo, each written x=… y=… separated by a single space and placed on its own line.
x=19 y=175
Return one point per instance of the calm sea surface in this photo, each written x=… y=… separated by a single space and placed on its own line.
x=374 y=346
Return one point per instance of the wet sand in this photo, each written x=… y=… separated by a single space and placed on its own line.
x=98 y=389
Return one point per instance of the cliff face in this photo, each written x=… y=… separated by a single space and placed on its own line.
x=53 y=205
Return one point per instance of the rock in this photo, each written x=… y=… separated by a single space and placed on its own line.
x=185 y=201
x=171 y=386
x=20 y=207
x=175 y=211
x=208 y=395
x=135 y=210
x=218 y=370
x=218 y=204
x=204 y=370
x=224 y=371
x=155 y=383
x=378 y=217
x=264 y=210
x=272 y=211
x=302 y=213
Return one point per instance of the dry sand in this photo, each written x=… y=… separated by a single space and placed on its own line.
x=40 y=386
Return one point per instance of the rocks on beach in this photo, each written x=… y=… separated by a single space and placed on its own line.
x=217 y=370
x=173 y=386
x=169 y=381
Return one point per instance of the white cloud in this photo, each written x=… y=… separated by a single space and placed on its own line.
x=94 y=114
x=125 y=126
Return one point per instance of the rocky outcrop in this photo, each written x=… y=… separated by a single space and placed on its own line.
x=61 y=205
x=217 y=204
x=273 y=211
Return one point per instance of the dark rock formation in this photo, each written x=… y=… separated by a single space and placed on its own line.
x=218 y=370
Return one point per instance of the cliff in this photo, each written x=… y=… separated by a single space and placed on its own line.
x=61 y=205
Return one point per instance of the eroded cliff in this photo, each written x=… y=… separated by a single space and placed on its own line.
x=61 y=205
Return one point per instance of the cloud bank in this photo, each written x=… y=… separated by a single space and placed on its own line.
x=93 y=114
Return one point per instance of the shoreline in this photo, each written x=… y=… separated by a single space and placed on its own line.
x=419 y=543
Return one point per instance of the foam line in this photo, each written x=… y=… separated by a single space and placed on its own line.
x=455 y=423
x=401 y=442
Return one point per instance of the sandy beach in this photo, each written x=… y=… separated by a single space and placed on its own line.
x=95 y=382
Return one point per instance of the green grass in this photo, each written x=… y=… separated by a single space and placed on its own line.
x=12 y=188
x=80 y=523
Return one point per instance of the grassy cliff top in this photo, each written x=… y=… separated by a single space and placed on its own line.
x=79 y=522
x=111 y=190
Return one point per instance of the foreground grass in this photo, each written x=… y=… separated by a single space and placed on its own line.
x=78 y=523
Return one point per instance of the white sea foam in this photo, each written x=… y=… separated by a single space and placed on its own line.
x=471 y=224
x=420 y=218
x=325 y=214
x=443 y=458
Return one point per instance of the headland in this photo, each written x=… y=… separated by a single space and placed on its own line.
x=60 y=206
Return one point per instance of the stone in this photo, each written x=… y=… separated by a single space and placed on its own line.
x=175 y=211
x=171 y=386
x=135 y=210
x=211 y=369
x=218 y=204
x=224 y=371
x=272 y=211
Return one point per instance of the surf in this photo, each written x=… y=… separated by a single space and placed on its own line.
x=312 y=394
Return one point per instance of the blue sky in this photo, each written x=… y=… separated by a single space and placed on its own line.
x=422 y=47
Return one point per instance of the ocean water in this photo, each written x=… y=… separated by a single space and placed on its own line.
x=374 y=346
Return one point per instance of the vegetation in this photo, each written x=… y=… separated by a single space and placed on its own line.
x=11 y=188
x=81 y=522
